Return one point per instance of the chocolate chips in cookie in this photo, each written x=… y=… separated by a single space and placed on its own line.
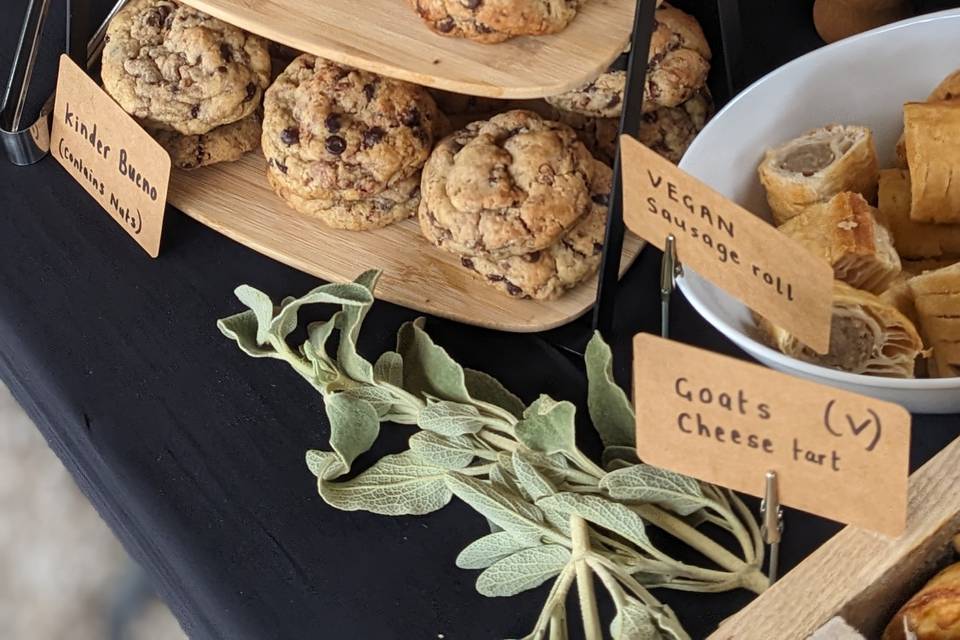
x=223 y=144
x=338 y=137
x=506 y=186
x=491 y=21
x=176 y=68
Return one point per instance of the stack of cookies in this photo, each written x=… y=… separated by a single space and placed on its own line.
x=347 y=146
x=491 y=21
x=520 y=200
x=193 y=81
x=676 y=102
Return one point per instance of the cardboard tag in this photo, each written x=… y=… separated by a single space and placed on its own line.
x=837 y=454
x=110 y=155
x=728 y=245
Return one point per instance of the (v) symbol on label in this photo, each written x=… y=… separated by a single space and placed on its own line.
x=855 y=425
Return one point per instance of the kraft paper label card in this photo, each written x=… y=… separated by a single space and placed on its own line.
x=110 y=155
x=728 y=245
x=837 y=454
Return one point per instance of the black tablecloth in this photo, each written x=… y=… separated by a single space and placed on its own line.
x=193 y=453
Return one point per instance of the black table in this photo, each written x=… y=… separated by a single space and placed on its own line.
x=193 y=453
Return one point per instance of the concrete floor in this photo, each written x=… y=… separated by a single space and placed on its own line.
x=61 y=569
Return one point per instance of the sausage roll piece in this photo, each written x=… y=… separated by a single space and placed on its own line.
x=948 y=89
x=933 y=613
x=932 y=133
x=867 y=336
x=817 y=166
x=845 y=233
x=911 y=238
x=936 y=295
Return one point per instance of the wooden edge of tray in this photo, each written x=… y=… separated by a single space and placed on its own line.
x=862 y=576
x=234 y=199
x=388 y=37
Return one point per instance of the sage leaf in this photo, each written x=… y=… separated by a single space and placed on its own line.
x=615 y=453
x=389 y=368
x=483 y=387
x=326 y=465
x=350 y=360
x=318 y=333
x=242 y=329
x=380 y=398
x=503 y=478
x=548 y=426
x=634 y=622
x=450 y=418
x=645 y=483
x=449 y=452
x=523 y=570
x=349 y=295
x=558 y=518
x=396 y=485
x=535 y=484
x=354 y=426
x=610 y=409
x=601 y=512
x=523 y=520
x=428 y=368
x=483 y=552
x=261 y=306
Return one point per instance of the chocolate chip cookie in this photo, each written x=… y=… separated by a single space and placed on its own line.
x=678 y=65
x=506 y=186
x=547 y=274
x=492 y=21
x=223 y=144
x=331 y=129
x=393 y=204
x=176 y=68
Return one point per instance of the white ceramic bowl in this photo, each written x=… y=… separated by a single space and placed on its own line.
x=862 y=80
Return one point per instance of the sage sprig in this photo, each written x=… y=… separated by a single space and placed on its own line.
x=554 y=513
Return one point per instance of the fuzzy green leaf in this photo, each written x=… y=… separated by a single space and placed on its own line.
x=261 y=306
x=326 y=465
x=523 y=520
x=389 y=368
x=428 y=368
x=450 y=418
x=398 y=484
x=645 y=483
x=614 y=453
x=349 y=323
x=548 y=426
x=483 y=552
x=485 y=388
x=523 y=570
x=350 y=295
x=318 y=333
x=354 y=426
x=531 y=480
x=503 y=478
x=601 y=512
x=449 y=452
x=610 y=409
x=242 y=328
x=634 y=622
x=380 y=398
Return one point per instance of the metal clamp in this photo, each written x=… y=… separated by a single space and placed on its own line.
x=670 y=270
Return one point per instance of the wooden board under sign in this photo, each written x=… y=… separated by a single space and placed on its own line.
x=862 y=576
x=389 y=38
x=235 y=199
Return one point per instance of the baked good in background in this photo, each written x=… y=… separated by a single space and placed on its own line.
x=225 y=143
x=932 y=139
x=549 y=273
x=678 y=64
x=845 y=233
x=933 y=613
x=913 y=239
x=492 y=21
x=936 y=296
x=174 y=67
x=507 y=186
x=867 y=336
x=347 y=145
x=816 y=166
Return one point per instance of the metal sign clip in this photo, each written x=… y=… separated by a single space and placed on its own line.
x=670 y=270
x=771 y=527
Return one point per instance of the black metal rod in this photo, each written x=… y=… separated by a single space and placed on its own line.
x=644 y=23
x=728 y=13
x=78 y=30
x=18 y=84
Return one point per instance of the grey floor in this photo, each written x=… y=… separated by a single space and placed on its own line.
x=61 y=570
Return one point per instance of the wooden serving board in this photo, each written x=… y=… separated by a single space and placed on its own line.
x=388 y=37
x=861 y=576
x=235 y=199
